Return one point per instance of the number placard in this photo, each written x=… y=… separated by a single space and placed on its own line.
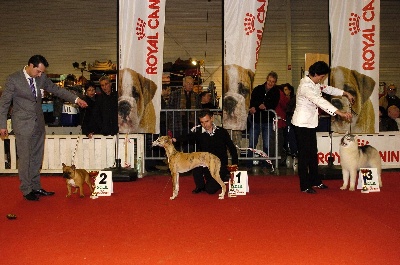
x=103 y=184
x=368 y=180
x=239 y=185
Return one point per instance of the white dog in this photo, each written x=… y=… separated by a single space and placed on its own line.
x=354 y=157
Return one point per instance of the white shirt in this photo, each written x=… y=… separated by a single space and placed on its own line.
x=309 y=99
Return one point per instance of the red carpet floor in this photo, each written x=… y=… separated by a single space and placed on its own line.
x=274 y=224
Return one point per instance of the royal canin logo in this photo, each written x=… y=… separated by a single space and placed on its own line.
x=249 y=23
x=140 y=26
x=362 y=142
x=354 y=23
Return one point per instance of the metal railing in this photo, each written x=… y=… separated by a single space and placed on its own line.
x=171 y=123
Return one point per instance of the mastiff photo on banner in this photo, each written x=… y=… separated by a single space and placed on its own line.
x=141 y=45
x=355 y=62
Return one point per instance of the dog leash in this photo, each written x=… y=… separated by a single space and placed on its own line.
x=354 y=113
x=166 y=184
x=76 y=147
x=77 y=140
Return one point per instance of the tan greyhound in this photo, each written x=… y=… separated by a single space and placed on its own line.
x=182 y=162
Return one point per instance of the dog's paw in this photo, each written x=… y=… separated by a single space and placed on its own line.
x=81 y=196
x=68 y=195
x=172 y=197
x=221 y=196
x=343 y=187
x=352 y=189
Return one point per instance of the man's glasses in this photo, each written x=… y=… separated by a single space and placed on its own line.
x=392 y=89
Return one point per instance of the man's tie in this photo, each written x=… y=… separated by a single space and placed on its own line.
x=32 y=86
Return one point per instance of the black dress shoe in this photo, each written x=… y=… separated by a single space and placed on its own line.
x=31 y=196
x=321 y=186
x=309 y=190
x=42 y=192
x=197 y=190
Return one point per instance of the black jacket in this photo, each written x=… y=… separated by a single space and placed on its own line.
x=270 y=99
x=106 y=111
x=218 y=143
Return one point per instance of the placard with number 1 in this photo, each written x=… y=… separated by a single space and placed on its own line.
x=239 y=183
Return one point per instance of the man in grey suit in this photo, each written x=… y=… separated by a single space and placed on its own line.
x=22 y=93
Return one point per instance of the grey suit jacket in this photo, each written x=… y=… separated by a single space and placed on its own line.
x=27 y=111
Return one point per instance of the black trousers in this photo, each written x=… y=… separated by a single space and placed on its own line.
x=307 y=157
x=204 y=180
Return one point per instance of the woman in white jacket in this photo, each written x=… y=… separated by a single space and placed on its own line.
x=305 y=120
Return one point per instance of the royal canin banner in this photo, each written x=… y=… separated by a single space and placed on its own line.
x=386 y=143
x=243 y=30
x=141 y=46
x=355 y=30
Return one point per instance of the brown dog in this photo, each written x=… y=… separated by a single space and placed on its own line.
x=237 y=86
x=182 y=162
x=361 y=87
x=136 y=112
x=75 y=178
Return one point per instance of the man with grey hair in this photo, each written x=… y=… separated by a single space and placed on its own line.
x=264 y=97
x=106 y=108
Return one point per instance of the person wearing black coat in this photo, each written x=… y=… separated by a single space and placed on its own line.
x=106 y=108
x=264 y=97
x=88 y=115
x=215 y=140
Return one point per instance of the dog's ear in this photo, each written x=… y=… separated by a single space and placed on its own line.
x=63 y=165
x=149 y=88
x=365 y=83
x=73 y=167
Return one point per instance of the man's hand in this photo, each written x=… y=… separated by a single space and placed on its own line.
x=3 y=134
x=81 y=103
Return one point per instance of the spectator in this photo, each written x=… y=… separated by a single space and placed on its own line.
x=390 y=98
x=385 y=122
x=264 y=97
x=394 y=113
x=106 y=108
x=88 y=115
x=215 y=140
x=282 y=126
x=290 y=137
x=205 y=100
